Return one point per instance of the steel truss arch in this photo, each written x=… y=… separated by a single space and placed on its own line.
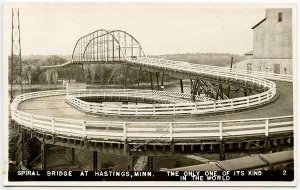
x=105 y=46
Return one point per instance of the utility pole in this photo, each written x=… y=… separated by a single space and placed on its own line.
x=16 y=78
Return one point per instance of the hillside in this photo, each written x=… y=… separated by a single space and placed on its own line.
x=216 y=59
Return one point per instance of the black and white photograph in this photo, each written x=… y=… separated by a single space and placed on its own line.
x=149 y=94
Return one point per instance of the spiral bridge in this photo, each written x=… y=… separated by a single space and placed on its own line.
x=116 y=46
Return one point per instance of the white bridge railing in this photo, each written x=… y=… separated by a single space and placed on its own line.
x=260 y=74
x=174 y=107
x=159 y=96
x=209 y=69
x=160 y=131
x=166 y=131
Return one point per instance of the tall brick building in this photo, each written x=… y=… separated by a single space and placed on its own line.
x=272 y=44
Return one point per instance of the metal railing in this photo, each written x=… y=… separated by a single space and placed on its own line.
x=160 y=131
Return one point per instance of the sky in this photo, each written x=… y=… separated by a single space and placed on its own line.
x=48 y=29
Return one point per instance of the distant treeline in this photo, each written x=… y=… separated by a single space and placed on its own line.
x=216 y=59
x=110 y=73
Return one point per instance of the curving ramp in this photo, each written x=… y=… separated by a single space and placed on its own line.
x=102 y=47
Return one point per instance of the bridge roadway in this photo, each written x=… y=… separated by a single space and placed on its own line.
x=62 y=122
x=53 y=121
x=55 y=106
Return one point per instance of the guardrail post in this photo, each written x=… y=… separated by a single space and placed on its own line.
x=221 y=130
x=214 y=106
x=104 y=109
x=171 y=131
x=259 y=99
x=84 y=128
x=267 y=134
x=31 y=121
x=124 y=131
x=260 y=81
x=248 y=101
x=174 y=110
x=53 y=125
x=19 y=117
x=231 y=103
x=267 y=127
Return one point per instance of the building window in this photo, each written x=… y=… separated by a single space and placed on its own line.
x=280 y=17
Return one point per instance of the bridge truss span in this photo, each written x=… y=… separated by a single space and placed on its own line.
x=106 y=46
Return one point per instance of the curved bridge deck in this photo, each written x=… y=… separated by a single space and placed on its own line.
x=155 y=136
x=55 y=106
x=53 y=117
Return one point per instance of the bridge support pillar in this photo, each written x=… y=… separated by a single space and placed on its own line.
x=83 y=74
x=191 y=86
x=222 y=150
x=219 y=92
x=172 y=148
x=275 y=142
x=126 y=73
x=151 y=81
x=150 y=163
x=48 y=76
x=193 y=89
x=73 y=156
x=266 y=144
x=43 y=155
x=130 y=163
x=23 y=136
x=138 y=78
x=228 y=91
x=95 y=160
x=55 y=76
x=181 y=85
x=157 y=80
x=228 y=88
x=202 y=147
x=162 y=81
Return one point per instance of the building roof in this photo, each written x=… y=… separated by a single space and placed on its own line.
x=249 y=53
x=259 y=23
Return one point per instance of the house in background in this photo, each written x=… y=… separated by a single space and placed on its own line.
x=272 y=44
